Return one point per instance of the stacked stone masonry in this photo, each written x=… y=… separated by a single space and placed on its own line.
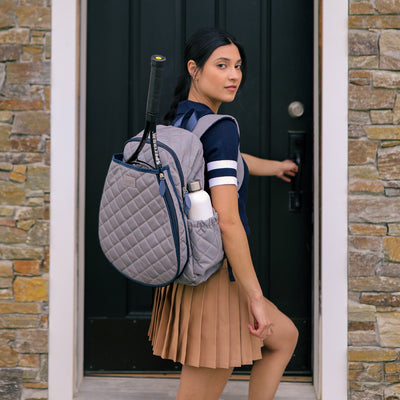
x=374 y=200
x=25 y=38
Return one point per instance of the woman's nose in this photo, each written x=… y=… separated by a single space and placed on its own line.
x=235 y=73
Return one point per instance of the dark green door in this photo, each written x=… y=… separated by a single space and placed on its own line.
x=278 y=38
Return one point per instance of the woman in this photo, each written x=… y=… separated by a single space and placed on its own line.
x=220 y=324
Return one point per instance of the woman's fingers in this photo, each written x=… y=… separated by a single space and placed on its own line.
x=261 y=332
x=289 y=169
x=262 y=326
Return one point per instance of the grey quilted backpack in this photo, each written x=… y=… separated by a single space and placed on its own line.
x=144 y=231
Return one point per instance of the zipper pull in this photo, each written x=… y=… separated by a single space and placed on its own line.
x=162 y=184
x=186 y=201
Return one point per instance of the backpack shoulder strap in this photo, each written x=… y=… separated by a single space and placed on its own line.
x=206 y=122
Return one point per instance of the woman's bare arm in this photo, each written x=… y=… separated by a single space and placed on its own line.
x=263 y=167
x=234 y=238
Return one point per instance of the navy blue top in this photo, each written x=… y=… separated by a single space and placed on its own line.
x=220 y=147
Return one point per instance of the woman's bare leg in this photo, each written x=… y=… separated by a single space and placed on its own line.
x=278 y=349
x=202 y=383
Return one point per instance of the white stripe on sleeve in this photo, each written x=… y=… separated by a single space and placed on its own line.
x=221 y=164
x=222 y=180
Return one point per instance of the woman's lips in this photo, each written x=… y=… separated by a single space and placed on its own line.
x=231 y=88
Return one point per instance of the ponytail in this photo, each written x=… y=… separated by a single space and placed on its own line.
x=181 y=93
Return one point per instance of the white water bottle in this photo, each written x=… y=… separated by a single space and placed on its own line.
x=200 y=202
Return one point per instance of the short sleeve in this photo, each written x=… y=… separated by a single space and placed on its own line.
x=221 y=147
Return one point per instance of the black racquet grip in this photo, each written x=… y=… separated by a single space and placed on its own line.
x=154 y=92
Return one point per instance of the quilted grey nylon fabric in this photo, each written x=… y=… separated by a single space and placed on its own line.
x=145 y=234
x=123 y=210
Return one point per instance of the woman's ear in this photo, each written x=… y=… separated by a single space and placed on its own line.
x=192 y=68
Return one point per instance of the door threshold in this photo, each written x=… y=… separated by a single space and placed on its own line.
x=234 y=377
x=133 y=387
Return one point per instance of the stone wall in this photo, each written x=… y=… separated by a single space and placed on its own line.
x=24 y=197
x=374 y=199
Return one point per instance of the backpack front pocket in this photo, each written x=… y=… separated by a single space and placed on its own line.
x=138 y=227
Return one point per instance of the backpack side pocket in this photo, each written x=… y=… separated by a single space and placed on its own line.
x=207 y=252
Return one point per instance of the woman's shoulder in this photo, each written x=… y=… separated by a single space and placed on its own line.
x=223 y=130
x=221 y=141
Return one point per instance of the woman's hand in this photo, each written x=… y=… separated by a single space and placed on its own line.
x=262 y=322
x=286 y=170
x=263 y=167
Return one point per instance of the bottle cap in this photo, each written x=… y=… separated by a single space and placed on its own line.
x=194 y=186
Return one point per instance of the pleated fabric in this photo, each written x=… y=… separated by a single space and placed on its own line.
x=204 y=325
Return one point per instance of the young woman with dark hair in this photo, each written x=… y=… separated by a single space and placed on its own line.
x=199 y=48
x=222 y=324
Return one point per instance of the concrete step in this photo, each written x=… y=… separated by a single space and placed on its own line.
x=135 y=388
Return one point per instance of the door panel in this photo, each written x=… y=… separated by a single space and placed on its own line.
x=278 y=38
x=106 y=116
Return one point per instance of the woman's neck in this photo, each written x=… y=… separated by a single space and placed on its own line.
x=198 y=98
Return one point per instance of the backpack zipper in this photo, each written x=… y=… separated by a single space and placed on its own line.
x=174 y=219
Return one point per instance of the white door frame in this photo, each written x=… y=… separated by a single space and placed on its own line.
x=330 y=283
x=67 y=200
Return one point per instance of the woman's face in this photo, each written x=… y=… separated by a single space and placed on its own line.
x=219 y=79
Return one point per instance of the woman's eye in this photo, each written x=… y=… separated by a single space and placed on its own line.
x=221 y=65
x=239 y=66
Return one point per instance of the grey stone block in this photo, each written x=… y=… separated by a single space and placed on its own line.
x=10 y=383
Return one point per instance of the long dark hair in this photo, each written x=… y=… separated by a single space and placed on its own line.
x=198 y=48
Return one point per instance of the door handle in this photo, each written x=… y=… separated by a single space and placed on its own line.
x=296 y=154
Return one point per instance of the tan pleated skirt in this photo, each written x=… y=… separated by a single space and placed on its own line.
x=204 y=325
